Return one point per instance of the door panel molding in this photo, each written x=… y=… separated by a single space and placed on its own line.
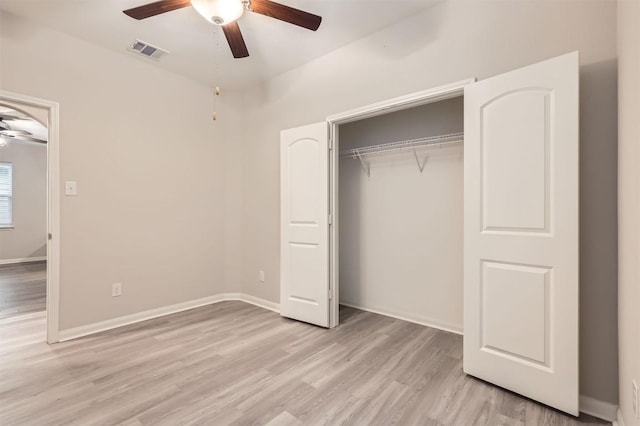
x=521 y=231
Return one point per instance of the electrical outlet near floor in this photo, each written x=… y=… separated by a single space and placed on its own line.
x=634 y=395
x=261 y=276
x=116 y=289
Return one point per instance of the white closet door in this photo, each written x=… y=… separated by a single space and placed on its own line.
x=304 y=254
x=521 y=231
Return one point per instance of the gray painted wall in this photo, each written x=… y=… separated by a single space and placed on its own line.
x=28 y=237
x=120 y=138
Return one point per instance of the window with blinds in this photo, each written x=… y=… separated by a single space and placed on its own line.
x=6 y=194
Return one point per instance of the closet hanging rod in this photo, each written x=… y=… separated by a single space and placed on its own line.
x=431 y=141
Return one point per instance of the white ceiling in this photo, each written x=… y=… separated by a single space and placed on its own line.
x=274 y=46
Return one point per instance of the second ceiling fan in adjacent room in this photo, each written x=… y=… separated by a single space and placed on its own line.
x=226 y=13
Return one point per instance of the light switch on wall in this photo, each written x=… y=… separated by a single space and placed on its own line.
x=70 y=188
x=116 y=289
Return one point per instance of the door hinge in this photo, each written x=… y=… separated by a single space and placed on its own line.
x=330 y=143
x=50 y=236
x=330 y=219
x=330 y=294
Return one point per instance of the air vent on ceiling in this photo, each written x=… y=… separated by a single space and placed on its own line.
x=145 y=49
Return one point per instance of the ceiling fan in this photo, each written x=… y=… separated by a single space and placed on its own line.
x=19 y=135
x=226 y=12
x=7 y=133
x=9 y=116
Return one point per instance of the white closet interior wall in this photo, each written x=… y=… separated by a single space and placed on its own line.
x=401 y=229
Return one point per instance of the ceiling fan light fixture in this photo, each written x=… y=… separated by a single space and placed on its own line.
x=3 y=142
x=219 y=12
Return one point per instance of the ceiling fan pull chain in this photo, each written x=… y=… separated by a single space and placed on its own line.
x=216 y=94
x=217 y=67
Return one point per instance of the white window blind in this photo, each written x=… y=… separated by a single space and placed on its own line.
x=6 y=194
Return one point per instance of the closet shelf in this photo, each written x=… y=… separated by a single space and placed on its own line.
x=411 y=144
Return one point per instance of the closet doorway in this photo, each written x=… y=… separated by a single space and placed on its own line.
x=519 y=227
x=400 y=186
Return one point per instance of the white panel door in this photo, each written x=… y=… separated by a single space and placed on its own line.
x=304 y=253
x=521 y=231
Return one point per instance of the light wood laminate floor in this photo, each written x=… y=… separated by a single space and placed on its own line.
x=23 y=288
x=234 y=363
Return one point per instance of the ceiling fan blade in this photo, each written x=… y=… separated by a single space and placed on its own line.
x=29 y=139
x=13 y=133
x=235 y=40
x=286 y=13
x=156 y=8
x=11 y=117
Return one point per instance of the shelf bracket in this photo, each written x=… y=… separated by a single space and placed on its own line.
x=364 y=164
x=422 y=163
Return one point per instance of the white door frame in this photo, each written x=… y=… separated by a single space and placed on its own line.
x=53 y=205
x=334 y=121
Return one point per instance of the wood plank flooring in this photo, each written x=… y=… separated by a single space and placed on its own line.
x=23 y=288
x=236 y=364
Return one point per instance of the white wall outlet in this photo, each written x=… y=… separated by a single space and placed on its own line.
x=635 y=403
x=261 y=276
x=116 y=289
x=70 y=188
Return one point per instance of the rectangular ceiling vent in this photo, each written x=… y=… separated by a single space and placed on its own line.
x=145 y=49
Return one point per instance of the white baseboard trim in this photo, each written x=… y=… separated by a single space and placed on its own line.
x=97 y=327
x=22 y=260
x=600 y=409
x=619 y=421
x=416 y=319
x=247 y=298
